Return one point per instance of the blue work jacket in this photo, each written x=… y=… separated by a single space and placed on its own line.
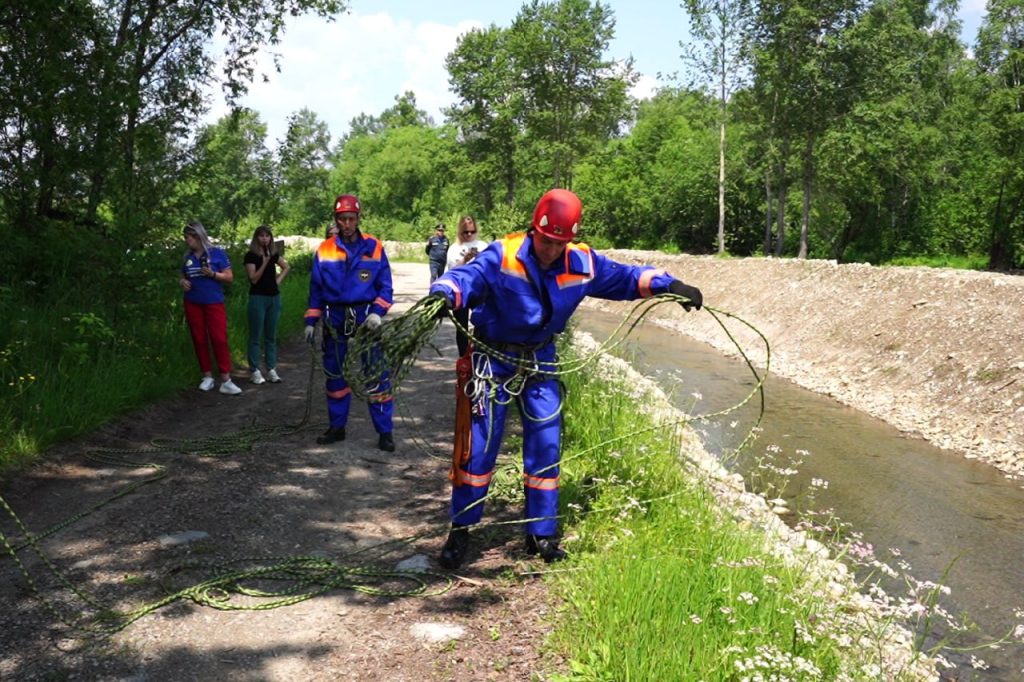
x=358 y=276
x=515 y=301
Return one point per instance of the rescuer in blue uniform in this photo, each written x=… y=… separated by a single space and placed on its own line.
x=350 y=285
x=522 y=289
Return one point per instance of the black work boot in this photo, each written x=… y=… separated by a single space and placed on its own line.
x=455 y=547
x=386 y=442
x=547 y=547
x=331 y=435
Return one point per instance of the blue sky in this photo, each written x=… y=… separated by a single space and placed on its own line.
x=362 y=60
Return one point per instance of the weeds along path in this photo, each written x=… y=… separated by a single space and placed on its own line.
x=286 y=496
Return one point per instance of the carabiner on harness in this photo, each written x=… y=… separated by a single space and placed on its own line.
x=350 y=320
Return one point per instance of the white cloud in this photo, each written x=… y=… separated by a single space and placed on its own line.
x=356 y=64
x=645 y=87
x=973 y=7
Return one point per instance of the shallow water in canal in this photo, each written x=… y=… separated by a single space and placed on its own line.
x=942 y=512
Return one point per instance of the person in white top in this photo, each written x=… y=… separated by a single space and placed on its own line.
x=465 y=248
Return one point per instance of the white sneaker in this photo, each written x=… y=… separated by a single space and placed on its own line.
x=272 y=376
x=229 y=388
x=257 y=378
x=206 y=384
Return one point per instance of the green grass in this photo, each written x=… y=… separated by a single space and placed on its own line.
x=668 y=586
x=71 y=364
x=972 y=262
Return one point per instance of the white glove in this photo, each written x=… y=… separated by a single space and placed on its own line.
x=310 y=333
x=372 y=321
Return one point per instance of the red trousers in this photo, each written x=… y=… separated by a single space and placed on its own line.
x=208 y=324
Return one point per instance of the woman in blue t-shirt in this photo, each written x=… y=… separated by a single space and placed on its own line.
x=266 y=269
x=203 y=273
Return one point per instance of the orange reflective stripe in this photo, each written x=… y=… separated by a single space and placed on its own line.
x=538 y=483
x=571 y=279
x=380 y=398
x=510 y=264
x=475 y=480
x=339 y=394
x=645 y=281
x=329 y=250
x=378 y=248
x=454 y=288
x=386 y=305
x=314 y=312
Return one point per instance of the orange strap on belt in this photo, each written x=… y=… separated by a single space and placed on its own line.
x=460 y=451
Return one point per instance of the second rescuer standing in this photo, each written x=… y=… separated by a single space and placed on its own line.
x=349 y=285
x=522 y=290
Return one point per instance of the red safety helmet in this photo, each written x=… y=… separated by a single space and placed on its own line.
x=346 y=203
x=558 y=215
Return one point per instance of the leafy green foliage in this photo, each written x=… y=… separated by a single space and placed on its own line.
x=304 y=186
x=93 y=112
x=407 y=174
x=1001 y=58
x=94 y=355
x=535 y=98
x=230 y=185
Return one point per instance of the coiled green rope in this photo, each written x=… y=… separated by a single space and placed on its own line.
x=393 y=347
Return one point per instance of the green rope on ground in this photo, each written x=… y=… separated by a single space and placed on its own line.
x=393 y=348
x=304 y=577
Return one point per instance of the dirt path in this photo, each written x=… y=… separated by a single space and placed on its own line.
x=286 y=496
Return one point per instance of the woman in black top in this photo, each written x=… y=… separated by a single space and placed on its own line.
x=266 y=269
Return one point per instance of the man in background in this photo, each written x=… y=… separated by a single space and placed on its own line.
x=349 y=286
x=437 y=251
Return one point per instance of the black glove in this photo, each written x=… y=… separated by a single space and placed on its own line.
x=692 y=293
x=442 y=312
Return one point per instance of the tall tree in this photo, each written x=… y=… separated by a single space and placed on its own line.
x=116 y=79
x=482 y=76
x=537 y=97
x=303 y=163
x=574 y=98
x=231 y=179
x=800 y=76
x=1000 y=54
x=719 y=55
x=881 y=161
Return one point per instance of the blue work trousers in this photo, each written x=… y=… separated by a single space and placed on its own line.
x=339 y=394
x=540 y=412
